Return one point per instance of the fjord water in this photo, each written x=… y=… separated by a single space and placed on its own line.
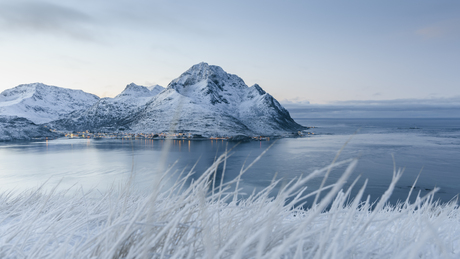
x=431 y=146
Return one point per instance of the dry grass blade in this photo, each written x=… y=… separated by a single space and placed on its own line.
x=200 y=218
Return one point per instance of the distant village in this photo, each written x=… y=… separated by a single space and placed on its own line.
x=124 y=135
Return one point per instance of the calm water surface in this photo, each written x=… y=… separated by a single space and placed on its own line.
x=430 y=145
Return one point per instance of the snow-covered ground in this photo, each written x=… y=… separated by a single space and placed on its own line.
x=205 y=219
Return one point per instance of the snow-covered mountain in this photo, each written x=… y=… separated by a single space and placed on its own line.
x=42 y=103
x=108 y=114
x=206 y=100
x=16 y=128
x=135 y=92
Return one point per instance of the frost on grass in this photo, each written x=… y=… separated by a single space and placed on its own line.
x=205 y=219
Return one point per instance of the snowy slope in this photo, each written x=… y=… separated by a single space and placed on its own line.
x=42 y=103
x=108 y=114
x=206 y=100
x=155 y=89
x=170 y=111
x=16 y=128
x=263 y=113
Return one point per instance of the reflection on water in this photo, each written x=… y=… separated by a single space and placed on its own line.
x=434 y=145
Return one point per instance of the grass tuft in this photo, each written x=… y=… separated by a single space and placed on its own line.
x=200 y=218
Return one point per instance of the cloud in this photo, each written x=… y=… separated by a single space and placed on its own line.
x=440 y=102
x=440 y=30
x=431 y=101
x=370 y=111
x=294 y=101
x=96 y=20
x=43 y=17
x=400 y=108
x=431 y=32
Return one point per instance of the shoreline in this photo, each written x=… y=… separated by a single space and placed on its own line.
x=163 y=136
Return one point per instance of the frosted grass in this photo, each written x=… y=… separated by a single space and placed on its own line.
x=203 y=219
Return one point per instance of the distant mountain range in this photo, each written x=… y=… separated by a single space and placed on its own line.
x=109 y=114
x=204 y=100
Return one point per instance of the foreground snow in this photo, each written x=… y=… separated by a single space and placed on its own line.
x=195 y=220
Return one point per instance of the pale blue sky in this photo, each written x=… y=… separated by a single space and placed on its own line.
x=317 y=51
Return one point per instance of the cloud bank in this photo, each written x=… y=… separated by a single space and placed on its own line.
x=401 y=108
x=43 y=17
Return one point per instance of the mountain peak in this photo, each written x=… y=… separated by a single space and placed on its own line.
x=259 y=89
x=134 y=90
x=200 y=72
x=155 y=89
x=25 y=91
x=132 y=85
x=205 y=68
x=200 y=66
x=208 y=78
